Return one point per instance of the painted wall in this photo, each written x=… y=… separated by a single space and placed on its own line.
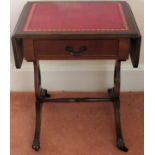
x=78 y=75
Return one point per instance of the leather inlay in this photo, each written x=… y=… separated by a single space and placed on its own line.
x=75 y=17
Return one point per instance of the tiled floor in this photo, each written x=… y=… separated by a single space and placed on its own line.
x=77 y=129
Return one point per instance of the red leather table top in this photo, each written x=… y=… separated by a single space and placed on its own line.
x=74 y=17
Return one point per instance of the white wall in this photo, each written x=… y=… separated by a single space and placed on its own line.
x=78 y=75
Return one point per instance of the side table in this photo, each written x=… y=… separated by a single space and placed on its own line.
x=76 y=31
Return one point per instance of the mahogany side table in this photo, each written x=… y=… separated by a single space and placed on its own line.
x=76 y=31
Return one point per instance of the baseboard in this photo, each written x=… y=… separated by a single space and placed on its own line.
x=75 y=77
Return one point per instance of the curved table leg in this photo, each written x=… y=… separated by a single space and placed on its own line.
x=115 y=94
x=40 y=94
x=120 y=141
x=36 y=140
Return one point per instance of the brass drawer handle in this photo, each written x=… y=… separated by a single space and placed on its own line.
x=76 y=53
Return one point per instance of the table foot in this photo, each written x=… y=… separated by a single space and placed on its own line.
x=36 y=144
x=121 y=146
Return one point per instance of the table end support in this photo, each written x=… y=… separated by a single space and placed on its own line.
x=40 y=95
x=114 y=93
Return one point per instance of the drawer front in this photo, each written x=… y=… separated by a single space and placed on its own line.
x=75 y=49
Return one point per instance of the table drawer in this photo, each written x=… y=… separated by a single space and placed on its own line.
x=46 y=49
x=72 y=49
